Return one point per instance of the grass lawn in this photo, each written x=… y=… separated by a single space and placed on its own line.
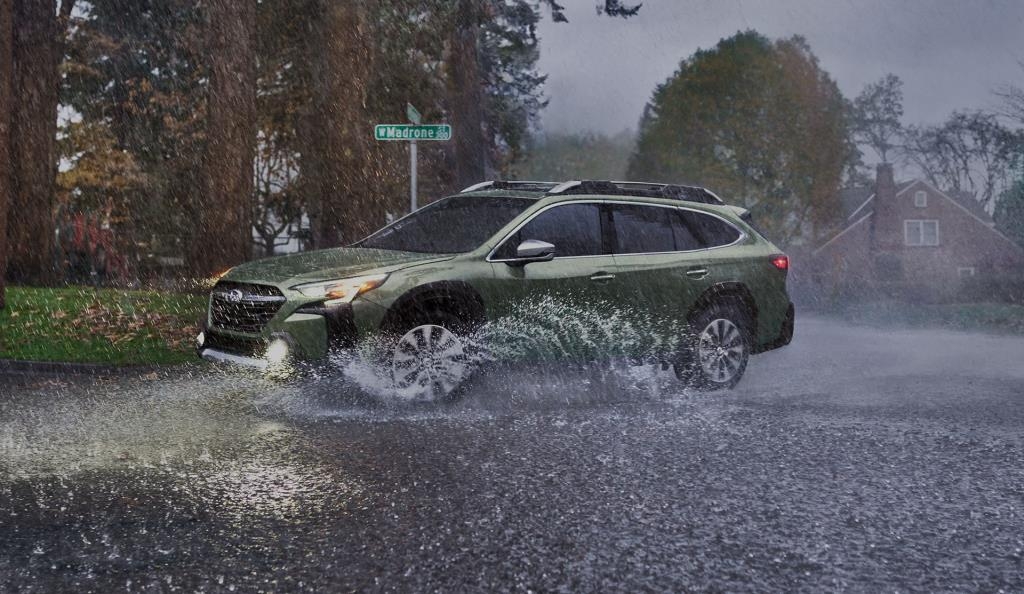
x=83 y=324
x=999 y=318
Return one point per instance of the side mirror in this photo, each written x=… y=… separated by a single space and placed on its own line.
x=533 y=250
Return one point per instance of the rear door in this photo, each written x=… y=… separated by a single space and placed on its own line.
x=715 y=234
x=660 y=262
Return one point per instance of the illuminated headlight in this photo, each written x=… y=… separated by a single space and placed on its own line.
x=277 y=352
x=342 y=290
x=200 y=340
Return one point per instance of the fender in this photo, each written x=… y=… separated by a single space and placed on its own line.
x=456 y=297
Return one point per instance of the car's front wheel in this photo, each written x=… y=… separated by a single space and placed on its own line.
x=716 y=352
x=430 y=362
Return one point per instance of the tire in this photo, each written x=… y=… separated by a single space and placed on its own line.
x=430 y=358
x=716 y=350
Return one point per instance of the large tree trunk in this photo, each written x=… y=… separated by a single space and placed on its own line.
x=224 y=213
x=465 y=95
x=6 y=103
x=338 y=166
x=38 y=46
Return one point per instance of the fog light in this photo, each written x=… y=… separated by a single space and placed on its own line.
x=200 y=339
x=277 y=352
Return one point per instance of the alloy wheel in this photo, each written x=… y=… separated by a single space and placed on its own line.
x=721 y=351
x=429 y=362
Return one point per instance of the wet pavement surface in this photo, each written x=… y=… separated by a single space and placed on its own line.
x=855 y=459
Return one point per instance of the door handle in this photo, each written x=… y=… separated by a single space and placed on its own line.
x=697 y=273
x=602 y=277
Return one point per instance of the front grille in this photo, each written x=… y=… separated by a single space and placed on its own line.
x=249 y=347
x=242 y=307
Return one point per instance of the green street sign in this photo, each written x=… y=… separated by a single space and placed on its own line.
x=412 y=132
x=413 y=114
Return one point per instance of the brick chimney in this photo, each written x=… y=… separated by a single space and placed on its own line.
x=886 y=226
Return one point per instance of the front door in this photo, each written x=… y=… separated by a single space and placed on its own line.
x=557 y=304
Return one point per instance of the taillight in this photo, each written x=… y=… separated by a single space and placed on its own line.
x=780 y=261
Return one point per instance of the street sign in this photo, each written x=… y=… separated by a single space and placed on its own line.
x=413 y=114
x=412 y=132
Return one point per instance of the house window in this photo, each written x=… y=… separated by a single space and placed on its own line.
x=920 y=199
x=965 y=271
x=921 y=233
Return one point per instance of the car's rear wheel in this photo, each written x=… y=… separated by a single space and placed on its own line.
x=717 y=349
x=430 y=361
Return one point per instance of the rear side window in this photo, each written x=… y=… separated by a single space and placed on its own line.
x=574 y=230
x=711 y=231
x=643 y=229
x=684 y=236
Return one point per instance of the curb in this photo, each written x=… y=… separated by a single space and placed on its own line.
x=12 y=366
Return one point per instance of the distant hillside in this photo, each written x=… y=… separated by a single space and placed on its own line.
x=576 y=156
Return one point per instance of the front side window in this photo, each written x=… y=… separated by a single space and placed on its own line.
x=643 y=229
x=921 y=233
x=574 y=230
x=452 y=225
x=920 y=199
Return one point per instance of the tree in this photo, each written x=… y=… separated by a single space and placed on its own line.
x=494 y=90
x=465 y=88
x=1013 y=101
x=225 y=226
x=342 y=199
x=970 y=152
x=39 y=29
x=6 y=101
x=1009 y=214
x=760 y=123
x=135 y=76
x=876 y=113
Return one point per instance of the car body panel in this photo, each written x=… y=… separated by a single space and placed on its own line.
x=649 y=286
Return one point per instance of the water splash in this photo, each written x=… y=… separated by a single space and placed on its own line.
x=548 y=346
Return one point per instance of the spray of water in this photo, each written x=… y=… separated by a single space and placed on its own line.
x=547 y=354
x=549 y=346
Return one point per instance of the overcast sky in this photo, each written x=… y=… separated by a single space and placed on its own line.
x=950 y=54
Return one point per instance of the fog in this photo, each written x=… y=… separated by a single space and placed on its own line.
x=950 y=54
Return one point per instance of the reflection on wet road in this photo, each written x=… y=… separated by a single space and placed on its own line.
x=853 y=459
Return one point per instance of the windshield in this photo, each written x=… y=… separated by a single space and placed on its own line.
x=451 y=225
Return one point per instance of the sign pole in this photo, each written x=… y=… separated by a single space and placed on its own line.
x=411 y=133
x=412 y=176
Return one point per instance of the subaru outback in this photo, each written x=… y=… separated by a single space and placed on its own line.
x=424 y=283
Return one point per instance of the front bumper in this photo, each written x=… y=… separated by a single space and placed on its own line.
x=310 y=332
x=216 y=356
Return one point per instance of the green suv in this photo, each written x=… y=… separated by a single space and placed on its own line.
x=424 y=284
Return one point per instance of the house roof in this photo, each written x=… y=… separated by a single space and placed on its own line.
x=968 y=201
x=857 y=203
x=850 y=199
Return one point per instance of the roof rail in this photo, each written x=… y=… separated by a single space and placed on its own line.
x=644 y=189
x=526 y=186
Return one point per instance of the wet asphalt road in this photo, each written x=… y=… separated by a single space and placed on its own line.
x=853 y=460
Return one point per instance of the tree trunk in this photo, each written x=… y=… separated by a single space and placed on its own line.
x=38 y=47
x=224 y=213
x=343 y=203
x=465 y=96
x=6 y=103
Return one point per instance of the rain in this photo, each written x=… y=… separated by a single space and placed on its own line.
x=495 y=295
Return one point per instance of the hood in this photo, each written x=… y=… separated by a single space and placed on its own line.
x=326 y=264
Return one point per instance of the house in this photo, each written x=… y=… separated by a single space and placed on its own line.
x=914 y=240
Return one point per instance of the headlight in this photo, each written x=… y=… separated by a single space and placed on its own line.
x=341 y=290
x=277 y=351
